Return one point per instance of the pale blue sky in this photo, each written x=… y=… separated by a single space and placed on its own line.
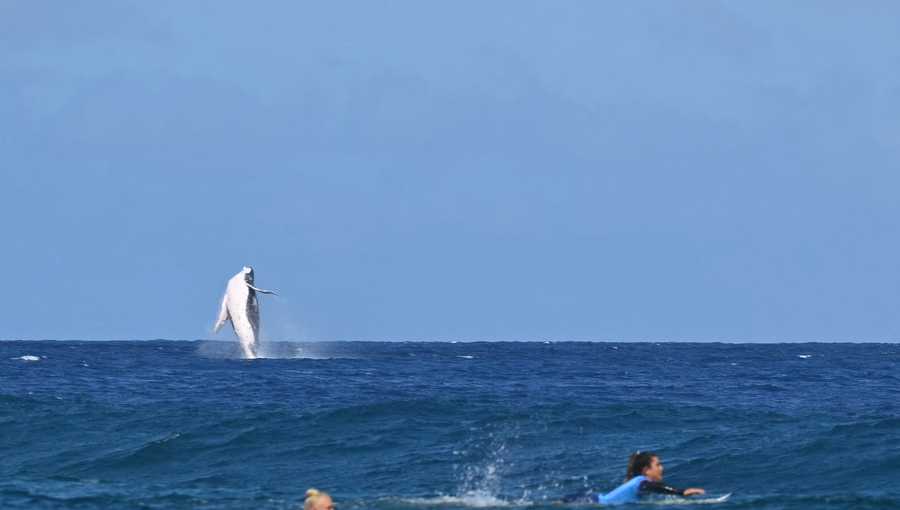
x=452 y=170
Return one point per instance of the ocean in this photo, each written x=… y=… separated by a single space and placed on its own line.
x=441 y=425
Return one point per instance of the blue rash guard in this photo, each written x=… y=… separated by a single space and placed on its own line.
x=631 y=490
x=625 y=493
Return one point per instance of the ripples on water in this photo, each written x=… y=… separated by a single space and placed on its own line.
x=444 y=425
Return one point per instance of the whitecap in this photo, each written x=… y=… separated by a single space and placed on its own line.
x=466 y=356
x=805 y=356
x=28 y=357
x=469 y=499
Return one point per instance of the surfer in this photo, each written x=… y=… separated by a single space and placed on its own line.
x=317 y=500
x=643 y=476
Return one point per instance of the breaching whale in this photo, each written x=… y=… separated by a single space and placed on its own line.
x=241 y=306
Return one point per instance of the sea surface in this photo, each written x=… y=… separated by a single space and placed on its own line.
x=416 y=426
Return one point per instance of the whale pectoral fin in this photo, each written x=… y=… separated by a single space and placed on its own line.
x=219 y=325
x=223 y=315
x=261 y=291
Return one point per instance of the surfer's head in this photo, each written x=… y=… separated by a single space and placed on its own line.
x=644 y=463
x=317 y=500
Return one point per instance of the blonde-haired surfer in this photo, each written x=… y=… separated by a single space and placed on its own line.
x=317 y=500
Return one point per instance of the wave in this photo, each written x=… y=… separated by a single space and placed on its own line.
x=471 y=500
x=67 y=493
x=271 y=351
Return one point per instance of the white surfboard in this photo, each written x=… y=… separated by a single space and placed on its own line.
x=690 y=501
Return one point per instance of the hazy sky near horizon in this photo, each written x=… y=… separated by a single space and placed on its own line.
x=452 y=170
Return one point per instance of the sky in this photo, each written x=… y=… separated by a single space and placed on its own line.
x=505 y=170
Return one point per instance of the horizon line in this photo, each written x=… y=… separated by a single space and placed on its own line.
x=541 y=341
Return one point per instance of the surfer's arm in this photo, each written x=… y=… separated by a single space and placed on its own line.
x=261 y=291
x=223 y=315
x=661 y=488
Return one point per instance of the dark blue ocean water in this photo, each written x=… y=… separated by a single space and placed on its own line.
x=414 y=426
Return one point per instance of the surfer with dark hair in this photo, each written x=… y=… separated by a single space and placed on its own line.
x=643 y=476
